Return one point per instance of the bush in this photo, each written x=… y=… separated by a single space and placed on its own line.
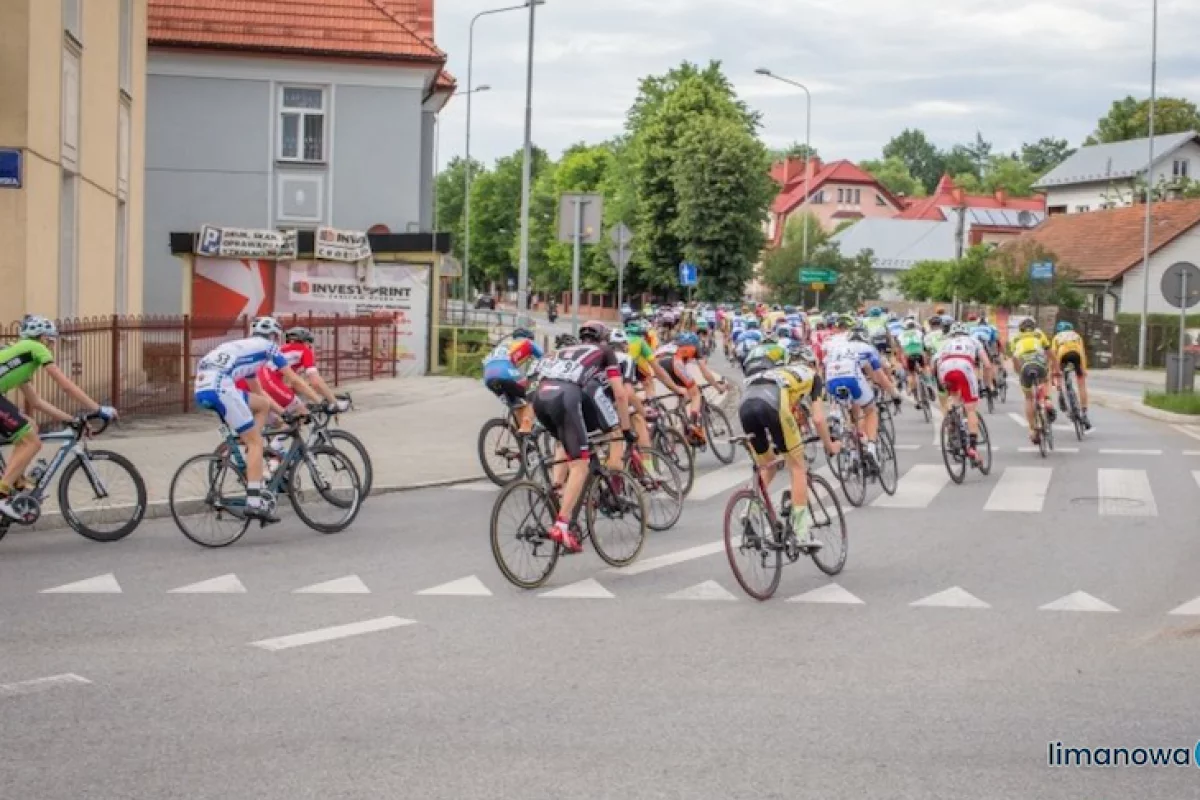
x=462 y=354
x=1185 y=403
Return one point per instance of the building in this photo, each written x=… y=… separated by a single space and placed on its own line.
x=1104 y=251
x=287 y=114
x=948 y=197
x=1105 y=175
x=837 y=191
x=898 y=244
x=72 y=118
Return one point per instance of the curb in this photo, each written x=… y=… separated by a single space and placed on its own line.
x=1132 y=404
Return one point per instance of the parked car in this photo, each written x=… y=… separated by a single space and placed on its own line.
x=486 y=301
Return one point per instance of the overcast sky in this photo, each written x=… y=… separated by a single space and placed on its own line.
x=1014 y=69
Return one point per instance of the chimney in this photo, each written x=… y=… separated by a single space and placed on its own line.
x=790 y=170
x=425 y=19
x=816 y=165
x=960 y=197
x=1002 y=197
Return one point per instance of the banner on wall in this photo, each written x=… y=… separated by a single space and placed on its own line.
x=228 y=288
x=331 y=244
x=397 y=290
x=217 y=242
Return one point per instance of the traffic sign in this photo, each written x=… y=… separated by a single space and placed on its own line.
x=818 y=276
x=620 y=256
x=818 y=287
x=687 y=274
x=1181 y=284
x=590 y=210
x=1041 y=271
x=621 y=235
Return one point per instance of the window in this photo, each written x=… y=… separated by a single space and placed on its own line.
x=841 y=195
x=1082 y=209
x=819 y=197
x=126 y=51
x=1180 y=168
x=72 y=23
x=68 y=255
x=302 y=124
x=123 y=150
x=121 y=290
x=857 y=196
x=70 y=108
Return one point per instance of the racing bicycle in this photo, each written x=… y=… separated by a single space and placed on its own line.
x=956 y=440
x=852 y=466
x=1070 y=393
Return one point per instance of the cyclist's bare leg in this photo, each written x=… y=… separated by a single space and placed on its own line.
x=822 y=426
x=577 y=473
x=23 y=454
x=524 y=415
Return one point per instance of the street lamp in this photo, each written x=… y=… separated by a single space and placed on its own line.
x=467 y=178
x=437 y=146
x=807 y=143
x=1143 y=329
x=526 y=176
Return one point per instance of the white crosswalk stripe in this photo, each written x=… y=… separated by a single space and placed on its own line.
x=1020 y=489
x=918 y=487
x=1125 y=493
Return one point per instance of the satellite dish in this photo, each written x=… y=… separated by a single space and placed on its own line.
x=1025 y=219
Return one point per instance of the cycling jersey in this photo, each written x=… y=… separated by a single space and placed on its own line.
x=215 y=387
x=766 y=407
x=642 y=354
x=955 y=361
x=986 y=335
x=911 y=342
x=1028 y=345
x=844 y=360
x=507 y=359
x=19 y=362
x=581 y=364
x=934 y=339
x=299 y=356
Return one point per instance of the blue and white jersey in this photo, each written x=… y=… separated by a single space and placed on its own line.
x=985 y=334
x=710 y=316
x=242 y=358
x=851 y=351
x=894 y=328
x=738 y=323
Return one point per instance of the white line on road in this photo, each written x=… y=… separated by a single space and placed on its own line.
x=1189 y=430
x=709 y=590
x=1107 y=451
x=1078 y=601
x=917 y=487
x=1189 y=609
x=475 y=486
x=223 y=584
x=469 y=586
x=830 y=593
x=1191 y=452
x=1125 y=493
x=329 y=634
x=1031 y=449
x=954 y=597
x=668 y=559
x=718 y=482
x=586 y=589
x=350 y=584
x=1020 y=489
x=101 y=584
x=908 y=447
x=40 y=684
x=1196 y=476
x=1020 y=420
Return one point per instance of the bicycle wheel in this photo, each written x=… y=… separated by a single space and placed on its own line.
x=324 y=490
x=887 y=423
x=828 y=526
x=1003 y=386
x=353 y=448
x=952 y=449
x=991 y=401
x=719 y=432
x=756 y=561
x=521 y=519
x=211 y=494
x=114 y=483
x=663 y=485
x=1073 y=404
x=499 y=453
x=852 y=471
x=674 y=446
x=1039 y=420
x=889 y=470
x=616 y=498
x=983 y=447
x=926 y=401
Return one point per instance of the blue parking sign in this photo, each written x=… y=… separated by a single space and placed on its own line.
x=1041 y=270
x=687 y=274
x=10 y=169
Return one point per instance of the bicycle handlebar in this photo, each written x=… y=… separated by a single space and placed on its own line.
x=83 y=422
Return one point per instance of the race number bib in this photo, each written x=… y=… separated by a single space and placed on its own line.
x=607 y=410
x=216 y=361
x=561 y=370
x=841 y=369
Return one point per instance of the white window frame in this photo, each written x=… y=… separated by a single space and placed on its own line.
x=1179 y=168
x=1082 y=209
x=72 y=19
x=818 y=197
x=841 y=195
x=302 y=113
x=858 y=197
x=125 y=17
x=68 y=245
x=121 y=289
x=71 y=81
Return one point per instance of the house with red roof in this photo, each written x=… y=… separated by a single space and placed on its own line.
x=988 y=219
x=833 y=192
x=292 y=114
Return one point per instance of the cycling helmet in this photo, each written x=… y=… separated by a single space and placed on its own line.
x=858 y=334
x=806 y=356
x=522 y=333
x=635 y=328
x=1027 y=325
x=752 y=324
x=593 y=330
x=564 y=340
x=266 y=327
x=846 y=322
x=910 y=324
x=783 y=331
x=1063 y=326
x=959 y=329
x=819 y=324
x=688 y=339
x=789 y=309
x=618 y=337
x=35 y=327
x=300 y=334
x=876 y=311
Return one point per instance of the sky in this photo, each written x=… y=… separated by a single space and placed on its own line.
x=1016 y=70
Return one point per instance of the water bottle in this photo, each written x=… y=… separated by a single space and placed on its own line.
x=38 y=470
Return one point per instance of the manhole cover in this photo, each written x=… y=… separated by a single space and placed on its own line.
x=1120 y=502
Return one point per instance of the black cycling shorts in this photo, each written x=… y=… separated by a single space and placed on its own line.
x=512 y=391
x=1073 y=359
x=765 y=417
x=571 y=414
x=13 y=424
x=914 y=361
x=883 y=345
x=1032 y=373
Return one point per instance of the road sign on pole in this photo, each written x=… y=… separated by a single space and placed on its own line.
x=818 y=276
x=1181 y=288
x=579 y=219
x=622 y=237
x=688 y=274
x=1041 y=271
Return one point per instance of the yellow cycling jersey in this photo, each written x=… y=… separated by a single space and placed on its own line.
x=642 y=355
x=1028 y=344
x=1067 y=342
x=796 y=381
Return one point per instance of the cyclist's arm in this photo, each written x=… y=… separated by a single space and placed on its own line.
x=708 y=374
x=317 y=382
x=35 y=403
x=256 y=388
x=68 y=386
x=299 y=384
x=665 y=377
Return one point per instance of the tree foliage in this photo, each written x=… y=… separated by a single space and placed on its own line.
x=1129 y=118
x=451 y=191
x=794 y=150
x=894 y=174
x=998 y=276
x=918 y=154
x=1045 y=154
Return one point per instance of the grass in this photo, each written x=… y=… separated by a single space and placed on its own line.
x=1186 y=403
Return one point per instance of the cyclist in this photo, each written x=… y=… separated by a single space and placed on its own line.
x=674 y=359
x=876 y=325
x=752 y=337
x=1029 y=349
x=575 y=398
x=912 y=347
x=645 y=370
x=19 y=362
x=1067 y=348
x=245 y=413
x=506 y=374
x=770 y=353
x=988 y=336
x=955 y=361
x=851 y=365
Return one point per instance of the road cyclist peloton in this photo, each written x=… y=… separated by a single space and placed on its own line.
x=988 y=336
x=955 y=363
x=1030 y=353
x=911 y=342
x=506 y=374
x=245 y=412
x=19 y=362
x=675 y=358
x=1067 y=348
x=853 y=366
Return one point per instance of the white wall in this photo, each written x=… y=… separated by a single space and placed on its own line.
x=1185 y=248
x=1093 y=195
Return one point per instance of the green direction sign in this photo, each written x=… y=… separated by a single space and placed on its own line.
x=818 y=276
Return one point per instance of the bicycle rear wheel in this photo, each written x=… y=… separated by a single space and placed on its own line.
x=210 y=495
x=674 y=446
x=991 y=401
x=520 y=534
x=325 y=483
x=952 y=450
x=663 y=486
x=353 y=448
x=851 y=470
x=889 y=470
x=828 y=526
x=615 y=517
x=112 y=481
x=756 y=562
x=718 y=430
x=926 y=400
x=499 y=453
x=984 y=447
x=1039 y=421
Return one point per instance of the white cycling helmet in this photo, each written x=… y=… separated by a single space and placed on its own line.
x=35 y=327
x=266 y=327
x=618 y=337
x=958 y=329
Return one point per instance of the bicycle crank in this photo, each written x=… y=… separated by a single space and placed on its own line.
x=27 y=507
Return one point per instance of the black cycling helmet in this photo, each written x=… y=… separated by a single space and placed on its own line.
x=522 y=333
x=564 y=340
x=1027 y=325
x=594 y=331
x=300 y=334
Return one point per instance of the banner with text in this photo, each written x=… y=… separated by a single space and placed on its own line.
x=217 y=242
x=334 y=245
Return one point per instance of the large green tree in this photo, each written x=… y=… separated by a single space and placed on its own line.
x=582 y=168
x=1129 y=118
x=795 y=150
x=451 y=189
x=922 y=158
x=496 y=215
x=895 y=175
x=1045 y=154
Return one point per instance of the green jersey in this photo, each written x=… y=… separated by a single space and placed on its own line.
x=875 y=324
x=934 y=339
x=20 y=361
x=912 y=342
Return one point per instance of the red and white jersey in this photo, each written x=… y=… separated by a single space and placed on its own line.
x=965 y=348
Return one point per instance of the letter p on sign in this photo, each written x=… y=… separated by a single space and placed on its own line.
x=210 y=241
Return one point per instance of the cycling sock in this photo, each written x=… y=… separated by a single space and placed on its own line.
x=5 y=490
x=254 y=494
x=973 y=439
x=800 y=521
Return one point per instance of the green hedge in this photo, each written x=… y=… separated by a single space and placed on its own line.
x=1186 y=403
x=472 y=345
x=1162 y=337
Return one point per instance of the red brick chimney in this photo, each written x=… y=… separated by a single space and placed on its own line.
x=960 y=197
x=425 y=19
x=1002 y=197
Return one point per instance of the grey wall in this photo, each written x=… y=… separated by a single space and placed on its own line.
x=429 y=132
x=206 y=162
x=376 y=158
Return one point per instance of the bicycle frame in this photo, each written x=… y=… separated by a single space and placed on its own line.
x=72 y=443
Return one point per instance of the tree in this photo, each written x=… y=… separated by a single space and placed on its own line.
x=795 y=150
x=1045 y=154
x=722 y=188
x=495 y=216
x=1010 y=174
x=1009 y=265
x=1130 y=119
x=582 y=168
x=980 y=153
x=451 y=189
x=918 y=154
x=793 y=231
x=857 y=279
x=781 y=272
x=959 y=160
x=894 y=174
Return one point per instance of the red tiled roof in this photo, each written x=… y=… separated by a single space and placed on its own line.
x=792 y=194
x=1103 y=245
x=383 y=29
x=945 y=195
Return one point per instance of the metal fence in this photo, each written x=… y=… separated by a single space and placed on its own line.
x=145 y=365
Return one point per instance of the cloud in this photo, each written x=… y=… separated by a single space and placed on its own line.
x=1015 y=71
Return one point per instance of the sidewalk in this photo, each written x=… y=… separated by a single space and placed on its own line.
x=1150 y=377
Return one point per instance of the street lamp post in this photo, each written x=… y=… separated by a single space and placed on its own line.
x=1143 y=329
x=467 y=171
x=526 y=175
x=437 y=146
x=807 y=143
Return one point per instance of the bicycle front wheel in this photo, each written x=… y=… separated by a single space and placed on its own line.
x=663 y=486
x=952 y=449
x=852 y=469
x=353 y=448
x=207 y=499
x=615 y=517
x=889 y=470
x=754 y=557
x=984 y=448
x=499 y=453
x=828 y=526
x=520 y=534
x=672 y=444
x=325 y=490
x=719 y=432
x=113 y=483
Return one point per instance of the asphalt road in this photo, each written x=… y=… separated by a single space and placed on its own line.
x=491 y=692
